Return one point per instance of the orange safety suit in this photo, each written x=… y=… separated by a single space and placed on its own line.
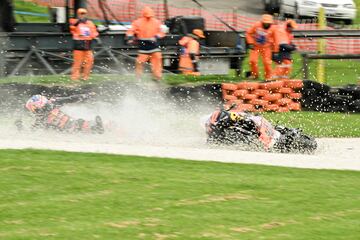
x=146 y=31
x=261 y=39
x=83 y=31
x=282 y=52
x=190 y=46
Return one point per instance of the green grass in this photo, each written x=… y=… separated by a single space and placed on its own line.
x=63 y=79
x=337 y=72
x=30 y=7
x=182 y=79
x=98 y=78
x=319 y=124
x=170 y=79
x=357 y=19
x=59 y=195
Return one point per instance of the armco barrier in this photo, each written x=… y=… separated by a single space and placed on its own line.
x=277 y=96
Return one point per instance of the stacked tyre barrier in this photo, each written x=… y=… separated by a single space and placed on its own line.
x=275 y=96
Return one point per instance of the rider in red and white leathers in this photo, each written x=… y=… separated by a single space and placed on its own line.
x=48 y=115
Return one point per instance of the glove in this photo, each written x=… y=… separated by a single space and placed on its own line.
x=250 y=46
x=153 y=40
x=130 y=40
x=157 y=38
x=77 y=23
x=287 y=47
x=98 y=41
x=196 y=66
x=194 y=61
x=83 y=20
x=276 y=57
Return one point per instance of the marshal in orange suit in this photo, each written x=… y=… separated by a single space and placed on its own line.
x=190 y=51
x=260 y=41
x=283 y=48
x=83 y=31
x=146 y=32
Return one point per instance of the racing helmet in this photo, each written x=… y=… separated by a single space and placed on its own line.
x=36 y=103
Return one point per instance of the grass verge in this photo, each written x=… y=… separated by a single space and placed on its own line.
x=339 y=74
x=61 y=195
x=27 y=6
x=319 y=124
x=170 y=79
x=357 y=19
x=62 y=79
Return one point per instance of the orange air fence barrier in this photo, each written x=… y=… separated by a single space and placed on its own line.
x=276 y=96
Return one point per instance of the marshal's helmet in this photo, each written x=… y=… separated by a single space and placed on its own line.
x=81 y=11
x=147 y=12
x=267 y=20
x=36 y=102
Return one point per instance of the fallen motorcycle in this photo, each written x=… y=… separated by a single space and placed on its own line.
x=226 y=127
